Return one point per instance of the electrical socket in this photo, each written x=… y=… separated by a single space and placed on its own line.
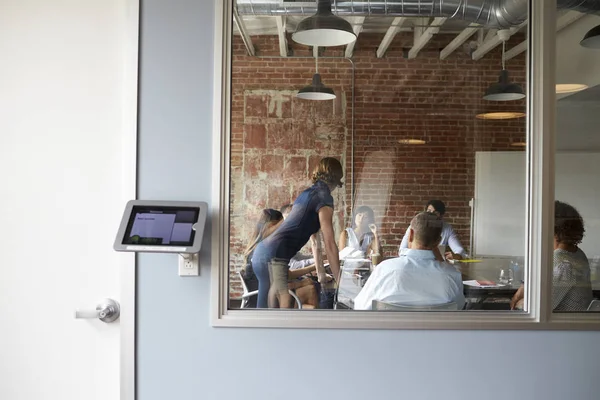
x=189 y=265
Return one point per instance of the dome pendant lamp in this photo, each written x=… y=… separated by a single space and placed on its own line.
x=324 y=29
x=504 y=90
x=316 y=91
x=591 y=40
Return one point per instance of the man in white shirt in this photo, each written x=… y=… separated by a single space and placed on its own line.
x=416 y=277
x=449 y=236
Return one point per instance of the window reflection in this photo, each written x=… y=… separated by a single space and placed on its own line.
x=576 y=257
x=407 y=135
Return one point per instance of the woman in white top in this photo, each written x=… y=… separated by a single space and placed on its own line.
x=363 y=234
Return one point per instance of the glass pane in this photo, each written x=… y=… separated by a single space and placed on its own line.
x=412 y=132
x=576 y=257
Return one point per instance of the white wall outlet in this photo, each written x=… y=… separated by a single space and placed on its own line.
x=189 y=265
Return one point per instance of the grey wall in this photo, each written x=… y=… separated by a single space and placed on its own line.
x=181 y=357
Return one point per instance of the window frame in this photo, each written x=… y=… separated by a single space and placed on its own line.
x=540 y=153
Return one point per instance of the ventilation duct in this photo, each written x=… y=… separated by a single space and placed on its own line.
x=501 y=14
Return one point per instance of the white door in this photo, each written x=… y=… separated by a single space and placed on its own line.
x=68 y=84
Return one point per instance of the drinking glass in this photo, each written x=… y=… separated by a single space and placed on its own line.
x=506 y=277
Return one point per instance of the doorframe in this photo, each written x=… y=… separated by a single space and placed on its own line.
x=128 y=264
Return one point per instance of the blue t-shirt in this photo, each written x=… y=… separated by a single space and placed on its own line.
x=298 y=227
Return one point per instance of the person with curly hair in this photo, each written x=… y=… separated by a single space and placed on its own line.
x=312 y=212
x=571 y=284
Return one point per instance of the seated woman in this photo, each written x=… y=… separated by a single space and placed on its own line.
x=571 y=285
x=266 y=225
x=362 y=235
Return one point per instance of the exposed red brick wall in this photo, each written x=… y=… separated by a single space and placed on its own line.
x=277 y=139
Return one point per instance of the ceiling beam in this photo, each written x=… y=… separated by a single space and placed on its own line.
x=283 y=45
x=357 y=26
x=459 y=40
x=488 y=36
x=516 y=50
x=567 y=19
x=419 y=26
x=561 y=23
x=241 y=27
x=422 y=39
x=491 y=43
x=389 y=35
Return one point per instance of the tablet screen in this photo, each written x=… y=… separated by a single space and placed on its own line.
x=161 y=226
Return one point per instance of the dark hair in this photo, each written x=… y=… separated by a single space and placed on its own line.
x=363 y=210
x=268 y=218
x=329 y=170
x=427 y=228
x=438 y=205
x=568 y=224
x=286 y=208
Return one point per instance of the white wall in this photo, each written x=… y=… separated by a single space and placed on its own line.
x=181 y=357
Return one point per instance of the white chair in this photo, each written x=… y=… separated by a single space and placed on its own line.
x=594 y=306
x=381 y=305
x=246 y=294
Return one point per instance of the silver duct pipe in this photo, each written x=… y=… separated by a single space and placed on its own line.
x=500 y=14
x=584 y=6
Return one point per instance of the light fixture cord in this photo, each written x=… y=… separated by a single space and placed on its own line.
x=503 y=49
x=317 y=60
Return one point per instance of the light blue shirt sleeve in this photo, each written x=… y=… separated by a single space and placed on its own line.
x=459 y=297
x=450 y=238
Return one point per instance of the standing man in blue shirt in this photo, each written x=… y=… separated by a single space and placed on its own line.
x=449 y=236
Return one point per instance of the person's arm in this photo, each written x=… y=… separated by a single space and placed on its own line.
x=518 y=296
x=458 y=251
x=331 y=249
x=404 y=244
x=316 y=249
x=375 y=245
x=343 y=239
x=297 y=273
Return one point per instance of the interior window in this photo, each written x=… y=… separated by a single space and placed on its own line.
x=576 y=251
x=425 y=117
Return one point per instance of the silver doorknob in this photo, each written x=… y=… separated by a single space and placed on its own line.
x=108 y=310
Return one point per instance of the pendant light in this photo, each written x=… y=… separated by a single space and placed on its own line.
x=562 y=88
x=591 y=40
x=324 y=29
x=500 y=115
x=316 y=91
x=504 y=90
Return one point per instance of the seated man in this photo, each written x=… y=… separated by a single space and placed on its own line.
x=449 y=236
x=416 y=277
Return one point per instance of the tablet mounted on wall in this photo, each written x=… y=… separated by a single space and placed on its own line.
x=162 y=226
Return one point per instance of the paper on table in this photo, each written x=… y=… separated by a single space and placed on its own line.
x=481 y=284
